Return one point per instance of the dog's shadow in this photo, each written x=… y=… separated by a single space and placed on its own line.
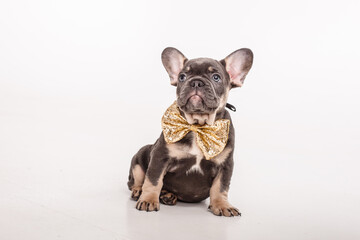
x=187 y=220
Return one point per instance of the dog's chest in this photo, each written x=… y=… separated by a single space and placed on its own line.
x=187 y=155
x=187 y=150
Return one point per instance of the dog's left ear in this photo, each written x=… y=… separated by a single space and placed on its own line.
x=173 y=61
x=238 y=64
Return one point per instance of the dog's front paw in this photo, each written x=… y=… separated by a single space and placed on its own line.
x=148 y=204
x=224 y=209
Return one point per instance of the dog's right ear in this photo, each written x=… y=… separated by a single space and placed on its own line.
x=173 y=61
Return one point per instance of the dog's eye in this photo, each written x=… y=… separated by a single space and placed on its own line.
x=182 y=77
x=216 y=77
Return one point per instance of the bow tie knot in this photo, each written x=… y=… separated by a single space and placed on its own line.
x=193 y=128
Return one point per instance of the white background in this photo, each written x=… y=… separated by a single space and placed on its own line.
x=82 y=88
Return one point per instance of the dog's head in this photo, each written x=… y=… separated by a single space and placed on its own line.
x=203 y=84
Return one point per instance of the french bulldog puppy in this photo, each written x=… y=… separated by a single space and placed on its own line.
x=167 y=172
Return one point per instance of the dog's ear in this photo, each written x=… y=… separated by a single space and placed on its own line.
x=238 y=64
x=173 y=61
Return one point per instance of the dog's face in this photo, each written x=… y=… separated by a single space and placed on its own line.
x=203 y=84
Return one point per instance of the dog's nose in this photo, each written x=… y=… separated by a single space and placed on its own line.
x=197 y=83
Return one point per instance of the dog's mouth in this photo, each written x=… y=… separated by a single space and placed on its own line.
x=196 y=111
x=196 y=103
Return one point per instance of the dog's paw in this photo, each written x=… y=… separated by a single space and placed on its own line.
x=167 y=198
x=224 y=209
x=148 y=204
x=136 y=192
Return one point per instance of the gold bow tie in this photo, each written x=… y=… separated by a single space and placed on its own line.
x=211 y=139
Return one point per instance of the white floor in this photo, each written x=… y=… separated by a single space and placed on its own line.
x=64 y=166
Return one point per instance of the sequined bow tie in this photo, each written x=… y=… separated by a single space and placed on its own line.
x=211 y=139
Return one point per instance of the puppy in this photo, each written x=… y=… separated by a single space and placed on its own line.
x=193 y=157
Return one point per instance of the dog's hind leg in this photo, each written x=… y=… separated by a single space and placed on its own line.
x=139 y=164
x=136 y=180
x=167 y=198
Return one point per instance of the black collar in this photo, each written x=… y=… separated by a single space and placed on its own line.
x=231 y=107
